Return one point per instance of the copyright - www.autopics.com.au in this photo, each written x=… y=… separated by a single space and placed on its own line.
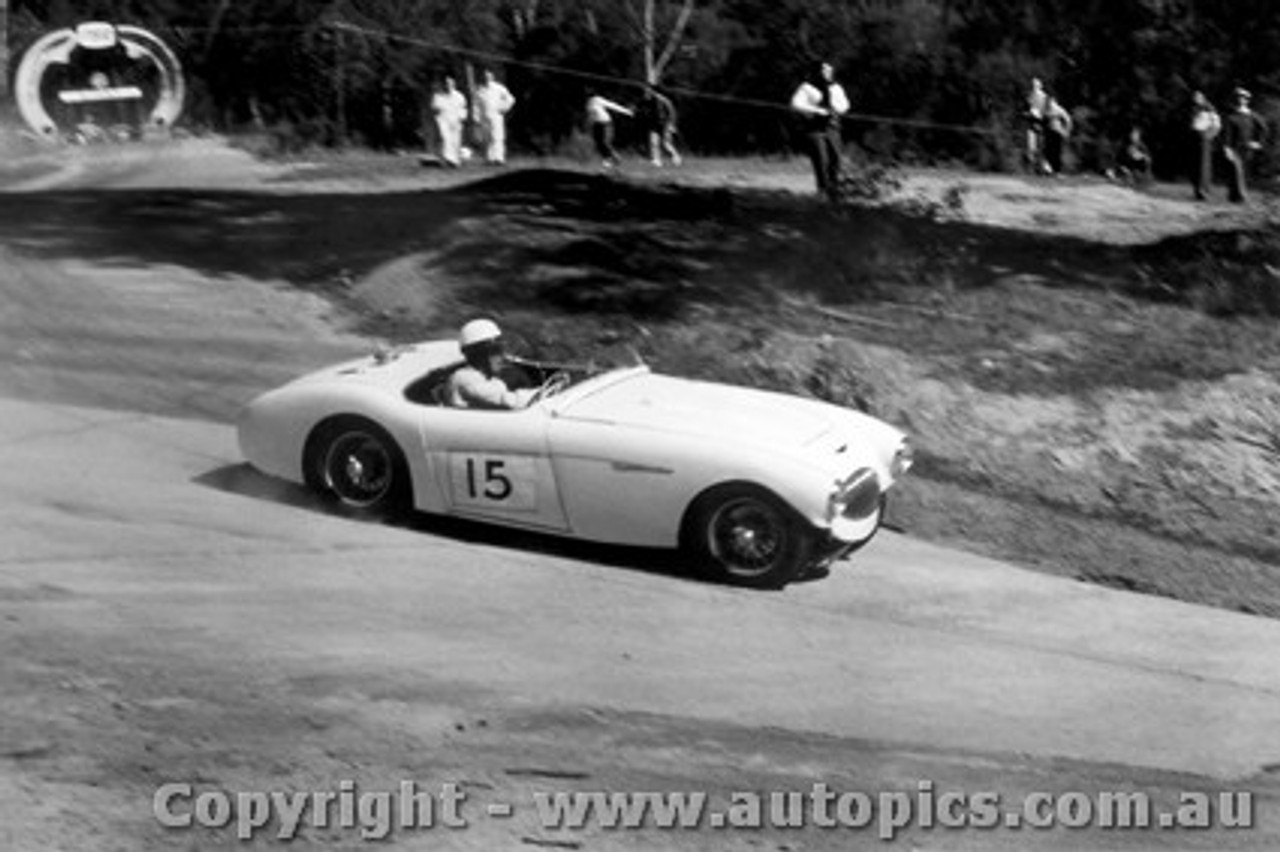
x=413 y=806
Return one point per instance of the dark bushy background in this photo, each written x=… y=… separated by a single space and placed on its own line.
x=279 y=65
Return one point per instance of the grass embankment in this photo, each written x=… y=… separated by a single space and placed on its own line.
x=1103 y=412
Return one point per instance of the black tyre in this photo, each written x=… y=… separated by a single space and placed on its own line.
x=359 y=466
x=744 y=535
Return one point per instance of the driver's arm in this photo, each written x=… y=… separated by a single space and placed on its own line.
x=478 y=392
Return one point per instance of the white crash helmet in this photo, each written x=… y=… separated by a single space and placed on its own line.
x=478 y=331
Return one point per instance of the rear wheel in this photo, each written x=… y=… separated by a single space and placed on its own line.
x=744 y=535
x=357 y=464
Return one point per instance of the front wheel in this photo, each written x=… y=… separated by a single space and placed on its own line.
x=357 y=464
x=744 y=535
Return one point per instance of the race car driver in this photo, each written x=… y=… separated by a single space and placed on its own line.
x=477 y=384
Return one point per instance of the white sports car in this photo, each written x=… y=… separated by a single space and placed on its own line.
x=758 y=487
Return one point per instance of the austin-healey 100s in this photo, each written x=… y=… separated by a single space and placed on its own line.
x=757 y=487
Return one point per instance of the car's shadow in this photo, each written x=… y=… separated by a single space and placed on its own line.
x=243 y=480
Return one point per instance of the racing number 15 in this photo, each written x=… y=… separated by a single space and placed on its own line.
x=496 y=485
x=496 y=482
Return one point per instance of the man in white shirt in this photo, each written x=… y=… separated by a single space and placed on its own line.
x=821 y=101
x=477 y=384
x=1037 y=104
x=1206 y=124
x=450 y=108
x=600 y=119
x=493 y=102
x=1058 y=125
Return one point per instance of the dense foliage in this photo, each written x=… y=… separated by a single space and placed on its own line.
x=361 y=70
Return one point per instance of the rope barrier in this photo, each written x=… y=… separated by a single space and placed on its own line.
x=496 y=58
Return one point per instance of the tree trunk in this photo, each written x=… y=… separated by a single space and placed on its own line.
x=650 y=60
x=655 y=63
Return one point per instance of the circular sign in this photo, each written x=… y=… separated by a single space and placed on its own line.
x=95 y=76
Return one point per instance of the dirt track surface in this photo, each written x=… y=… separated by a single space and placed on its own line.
x=170 y=616
x=174 y=617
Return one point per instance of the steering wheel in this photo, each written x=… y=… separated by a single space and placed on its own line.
x=556 y=382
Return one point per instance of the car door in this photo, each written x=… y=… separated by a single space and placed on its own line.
x=494 y=465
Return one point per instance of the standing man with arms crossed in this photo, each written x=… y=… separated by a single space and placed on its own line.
x=820 y=101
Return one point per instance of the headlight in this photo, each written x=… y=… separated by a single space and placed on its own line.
x=856 y=497
x=902 y=459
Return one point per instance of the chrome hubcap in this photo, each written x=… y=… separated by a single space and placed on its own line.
x=355 y=470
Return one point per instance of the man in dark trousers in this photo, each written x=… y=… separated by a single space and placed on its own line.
x=820 y=102
x=657 y=116
x=1244 y=131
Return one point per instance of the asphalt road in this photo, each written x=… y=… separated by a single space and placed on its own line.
x=168 y=615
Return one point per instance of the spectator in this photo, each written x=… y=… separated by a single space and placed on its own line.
x=1243 y=136
x=450 y=108
x=1037 y=104
x=493 y=102
x=1058 y=127
x=820 y=102
x=1135 y=159
x=600 y=119
x=657 y=116
x=1205 y=126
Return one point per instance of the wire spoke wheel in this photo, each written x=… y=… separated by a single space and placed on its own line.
x=747 y=537
x=359 y=469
